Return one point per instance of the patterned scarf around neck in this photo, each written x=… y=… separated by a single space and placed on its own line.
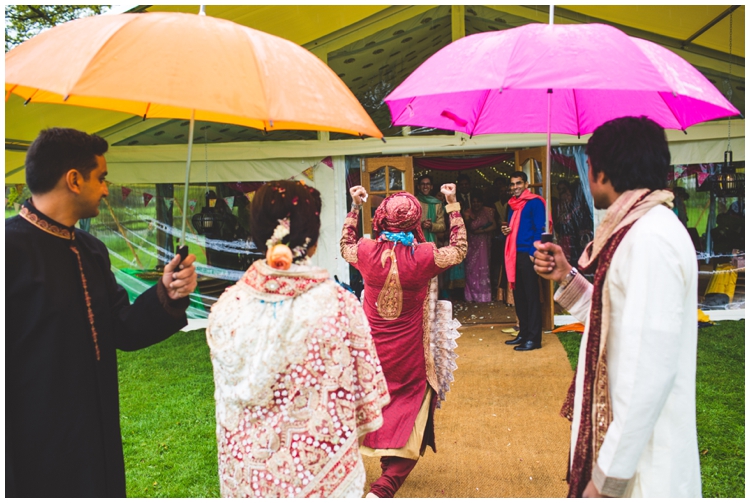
x=404 y=238
x=596 y=409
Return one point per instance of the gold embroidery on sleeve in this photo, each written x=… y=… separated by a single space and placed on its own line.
x=456 y=251
x=348 y=242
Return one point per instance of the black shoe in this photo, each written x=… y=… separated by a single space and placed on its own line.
x=513 y=342
x=527 y=346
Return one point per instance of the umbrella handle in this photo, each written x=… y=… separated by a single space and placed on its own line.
x=182 y=251
x=547 y=238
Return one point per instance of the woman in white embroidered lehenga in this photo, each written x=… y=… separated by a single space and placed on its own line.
x=297 y=377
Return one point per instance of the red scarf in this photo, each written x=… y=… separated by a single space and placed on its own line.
x=516 y=204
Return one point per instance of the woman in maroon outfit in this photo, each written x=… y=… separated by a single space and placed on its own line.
x=397 y=266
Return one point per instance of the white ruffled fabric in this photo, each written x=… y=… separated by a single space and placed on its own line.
x=443 y=335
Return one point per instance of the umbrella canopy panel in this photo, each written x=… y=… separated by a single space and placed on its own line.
x=495 y=82
x=233 y=74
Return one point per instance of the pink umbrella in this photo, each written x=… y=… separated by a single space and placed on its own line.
x=580 y=75
x=495 y=82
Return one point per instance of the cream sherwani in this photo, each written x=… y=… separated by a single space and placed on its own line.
x=651 y=446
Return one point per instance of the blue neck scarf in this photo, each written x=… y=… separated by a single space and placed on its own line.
x=404 y=238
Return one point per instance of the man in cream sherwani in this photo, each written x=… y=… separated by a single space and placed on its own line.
x=632 y=402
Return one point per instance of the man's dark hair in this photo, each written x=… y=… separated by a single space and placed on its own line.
x=58 y=150
x=286 y=199
x=632 y=153
x=429 y=177
x=521 y=175
x=463 y=177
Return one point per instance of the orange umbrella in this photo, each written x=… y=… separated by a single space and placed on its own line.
x=184 y=66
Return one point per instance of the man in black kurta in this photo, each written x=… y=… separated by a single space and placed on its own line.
x=65 y=318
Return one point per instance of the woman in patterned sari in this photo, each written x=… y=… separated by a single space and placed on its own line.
x=480 y=223
x=398 y=266
x=297 y=377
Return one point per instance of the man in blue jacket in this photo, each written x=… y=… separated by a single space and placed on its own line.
x=526 y=216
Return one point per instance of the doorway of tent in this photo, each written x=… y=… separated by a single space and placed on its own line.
x=482 y=178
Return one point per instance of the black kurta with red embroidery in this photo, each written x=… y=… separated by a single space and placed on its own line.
x=62 y=420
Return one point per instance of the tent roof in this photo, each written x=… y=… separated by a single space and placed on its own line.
x=306 y=23
x=374 y=47
x=299 y=23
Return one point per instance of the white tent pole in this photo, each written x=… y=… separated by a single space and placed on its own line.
x=187 y=177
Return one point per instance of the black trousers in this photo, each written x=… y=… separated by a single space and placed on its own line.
x=528 y=306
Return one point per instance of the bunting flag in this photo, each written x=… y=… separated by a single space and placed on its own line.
x=250 y=196
x=191 y=205
x=125 y=193
x=147 y=198
x=309 y=173
x=676 y=173
x=702 y=178
x=17 y=207
x=328 y=162
x=170 y=203
x=230 y=201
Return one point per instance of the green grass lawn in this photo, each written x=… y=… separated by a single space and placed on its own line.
x=167 y=419
x=720 y=397
x=168 y=427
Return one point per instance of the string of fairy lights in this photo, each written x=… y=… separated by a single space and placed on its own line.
x=485 y=177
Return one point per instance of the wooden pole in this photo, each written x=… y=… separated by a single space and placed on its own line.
x=122 y=231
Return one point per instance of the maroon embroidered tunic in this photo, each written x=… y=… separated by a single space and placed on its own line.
x=394 y=300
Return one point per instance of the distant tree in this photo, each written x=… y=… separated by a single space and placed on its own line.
x=24 y=21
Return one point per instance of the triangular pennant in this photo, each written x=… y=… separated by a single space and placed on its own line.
x=250 y=196
x=17 y=206
x=328 y=162
x=309 y=173
x=702 y=178
x=147 y=198
x=191 y=204
x=170 y=203
x=230 y=201
x=125 y=193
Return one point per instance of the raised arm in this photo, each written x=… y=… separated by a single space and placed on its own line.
x=349 y=239
x=455 y=252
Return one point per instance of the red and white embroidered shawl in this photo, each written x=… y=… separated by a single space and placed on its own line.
x=297 y=382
